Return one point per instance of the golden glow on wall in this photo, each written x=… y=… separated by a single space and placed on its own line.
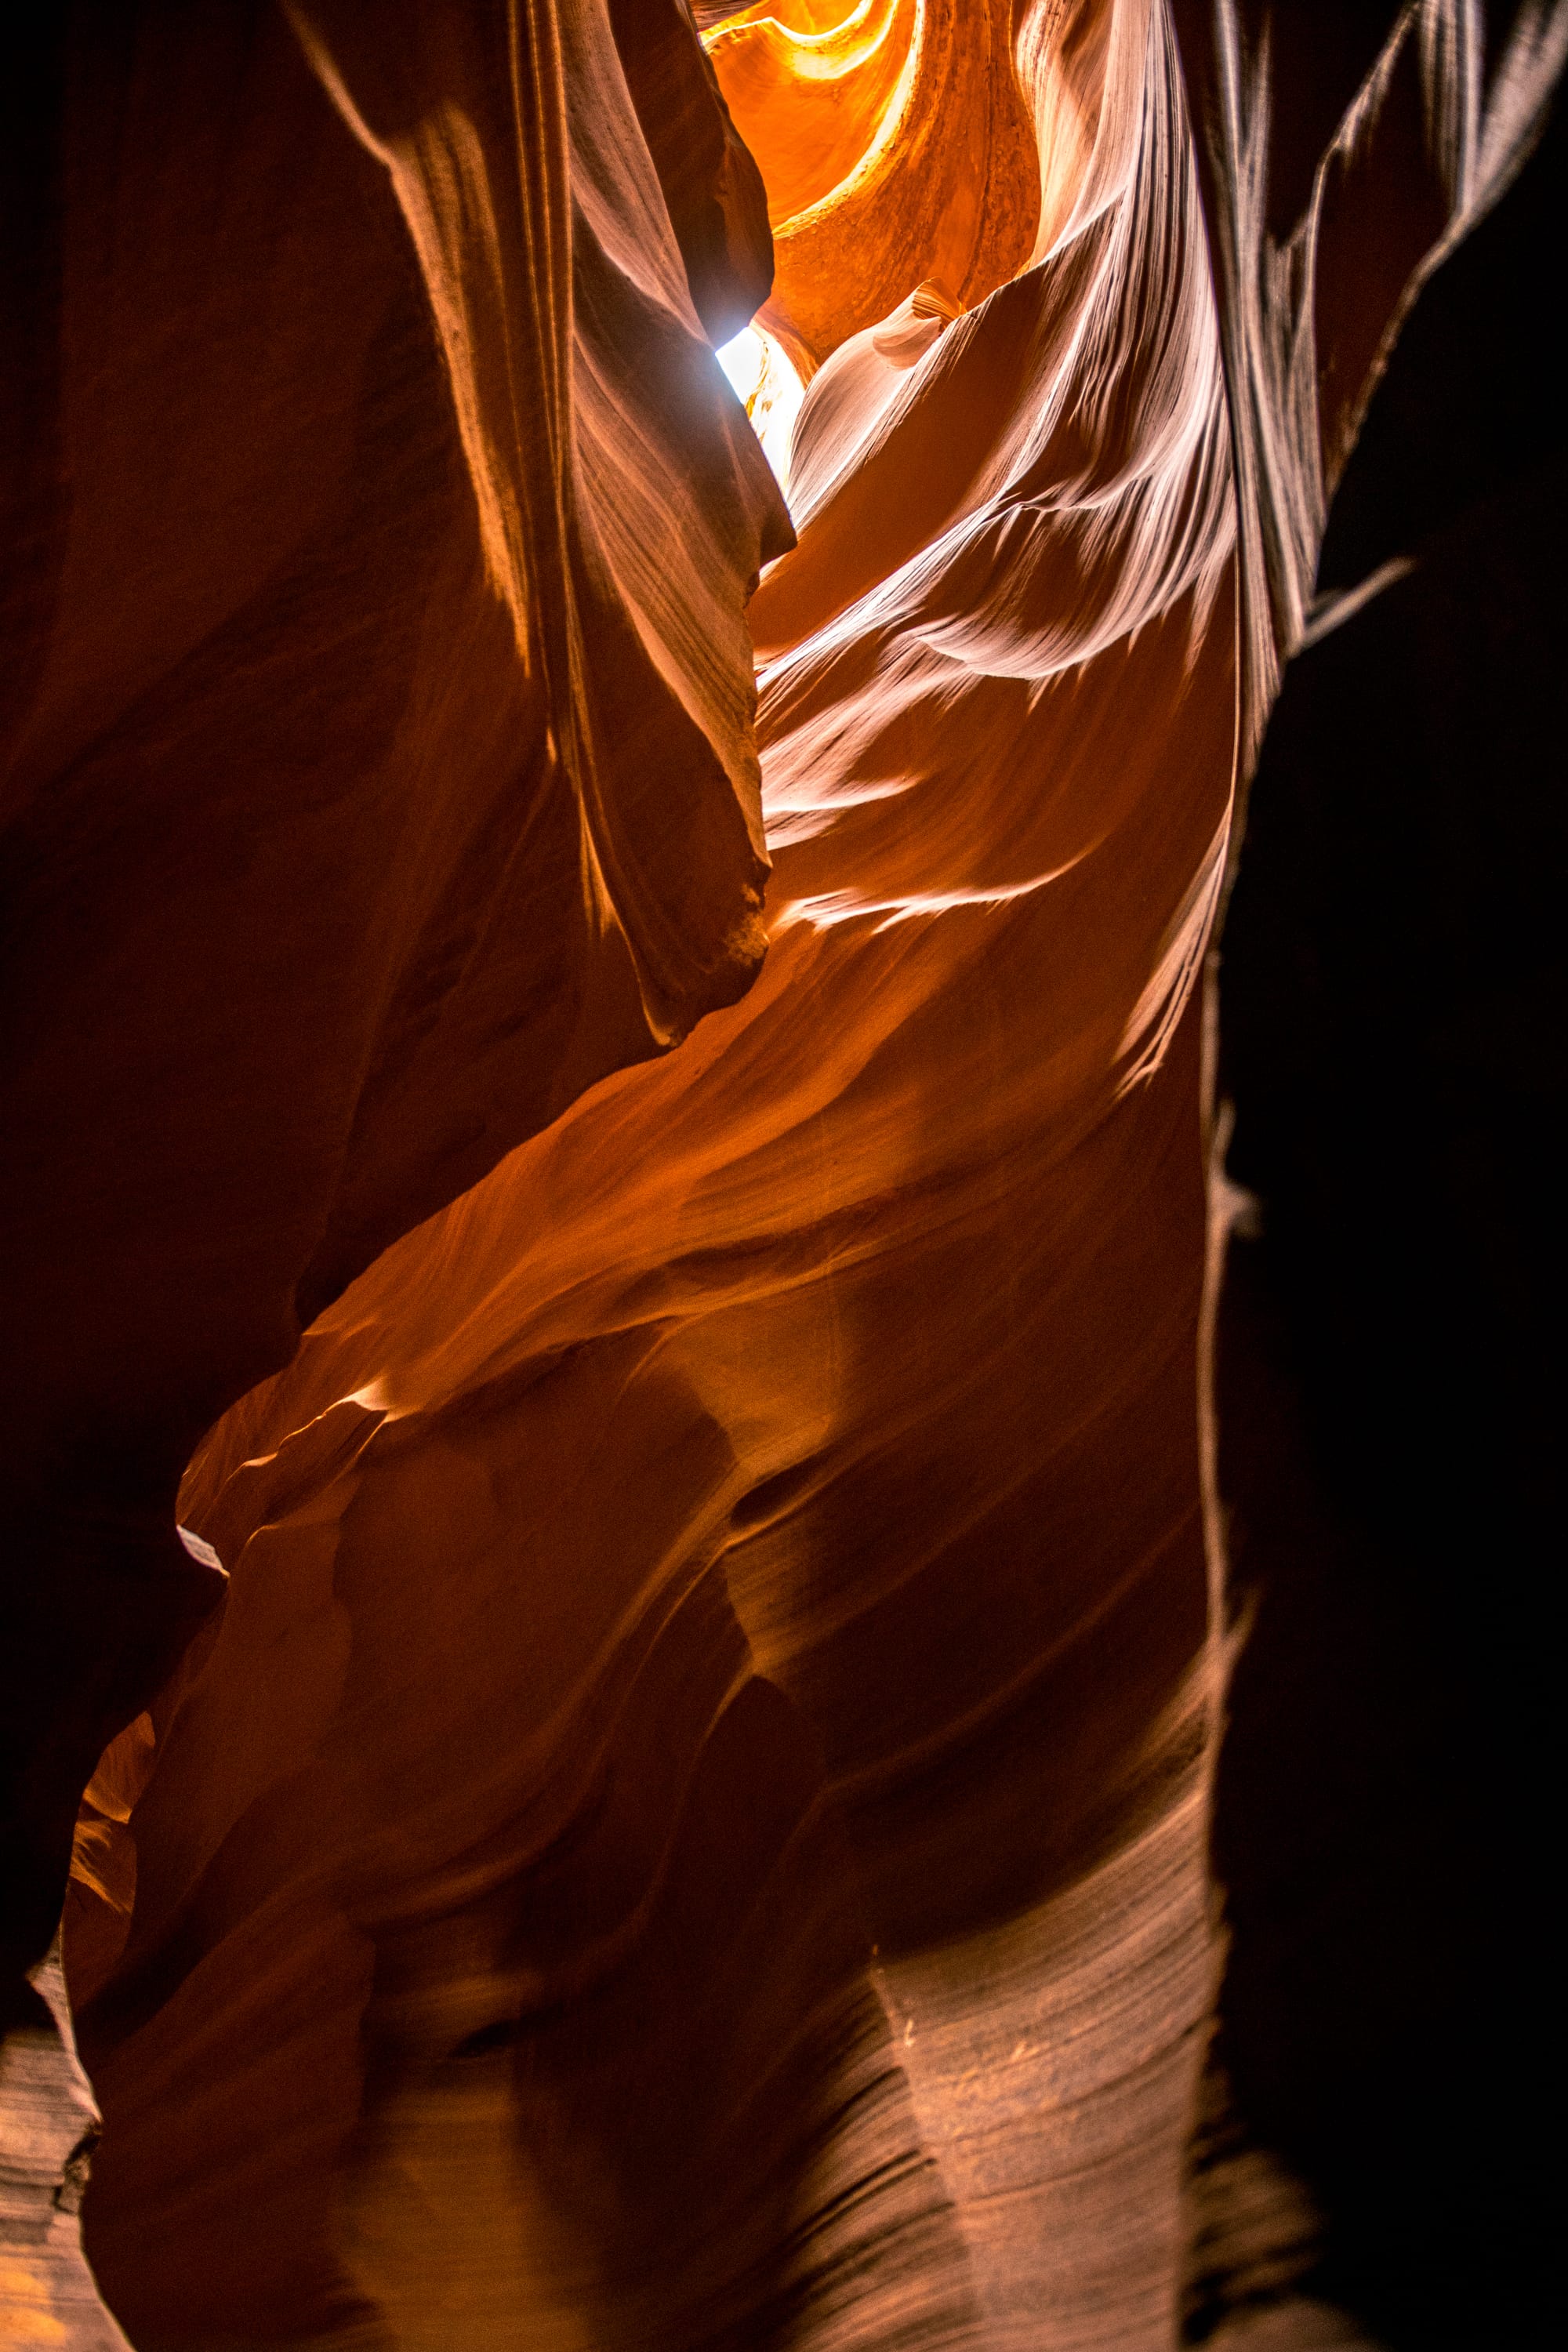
x=895 y=146
x=815 y=90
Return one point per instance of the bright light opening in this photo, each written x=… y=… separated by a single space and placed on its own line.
x=764 y=379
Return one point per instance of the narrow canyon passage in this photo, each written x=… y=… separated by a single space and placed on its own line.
x=688 y=1781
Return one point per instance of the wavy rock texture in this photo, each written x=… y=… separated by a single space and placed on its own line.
x=694 y=1924
x=328 y=874
x=689 y=1826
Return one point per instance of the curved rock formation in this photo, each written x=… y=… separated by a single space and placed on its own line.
x=372 y=784
x=689 y=1826
x=895 y=147
x=768 y=1377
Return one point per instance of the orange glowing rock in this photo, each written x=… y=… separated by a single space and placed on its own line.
x=607 y=1535
x=894 y=146
x=688 y=1828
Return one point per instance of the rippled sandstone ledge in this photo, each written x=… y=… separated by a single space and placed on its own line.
x=689 y=1826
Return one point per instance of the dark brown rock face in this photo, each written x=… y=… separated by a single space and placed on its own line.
x=1392 y=1001
x=875 y=1678
x=327 y=873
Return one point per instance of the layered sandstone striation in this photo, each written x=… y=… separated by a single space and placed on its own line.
x=690 y=1824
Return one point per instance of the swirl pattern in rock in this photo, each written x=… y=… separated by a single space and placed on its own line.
x=689 y=1826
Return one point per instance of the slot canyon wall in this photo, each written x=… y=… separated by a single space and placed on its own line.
x=771 y=1431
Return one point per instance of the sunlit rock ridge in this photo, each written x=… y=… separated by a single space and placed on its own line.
x=772 y=1369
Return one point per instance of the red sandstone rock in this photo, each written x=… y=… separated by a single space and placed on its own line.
x=380 y=771
x=688 y=1827
x=693 y=1439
